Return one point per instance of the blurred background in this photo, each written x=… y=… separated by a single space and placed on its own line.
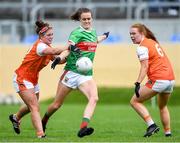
x=17 y=18
x=116 y=64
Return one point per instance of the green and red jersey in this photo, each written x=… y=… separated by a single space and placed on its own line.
x=87 y=42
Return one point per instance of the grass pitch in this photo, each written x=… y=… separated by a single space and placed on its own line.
x=112 y=122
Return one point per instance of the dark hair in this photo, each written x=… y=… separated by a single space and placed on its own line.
x=76 y=16
x=41 y=25
x=142 y=28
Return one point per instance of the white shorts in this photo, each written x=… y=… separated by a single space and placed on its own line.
x=161 y=86
x=21 y=85
x=73 y=80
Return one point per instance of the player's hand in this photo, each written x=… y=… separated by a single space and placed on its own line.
x=75 y=49
x=106 y=34
x=137 y=87
x=55 y=62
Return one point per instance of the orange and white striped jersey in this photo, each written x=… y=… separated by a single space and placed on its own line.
x=33 y=62
x=159 y=65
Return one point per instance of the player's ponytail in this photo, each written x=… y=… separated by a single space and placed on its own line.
x=149 y=34
x=77 y=15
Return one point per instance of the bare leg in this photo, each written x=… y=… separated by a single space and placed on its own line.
x=137 y=103
x=89 y=89
x=24 y=110
x=164 y=112
x=61 y=93
x=31 y=101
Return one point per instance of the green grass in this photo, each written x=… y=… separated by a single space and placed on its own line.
x=114 y=120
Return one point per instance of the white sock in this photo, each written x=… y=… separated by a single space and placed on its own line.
x=149 y=122
x=168 y=132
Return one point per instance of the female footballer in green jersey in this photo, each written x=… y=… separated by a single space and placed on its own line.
x=85 y=38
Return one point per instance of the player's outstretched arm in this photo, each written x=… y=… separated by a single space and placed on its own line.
x=103 y=37
x=61 y=59
x=54 y=51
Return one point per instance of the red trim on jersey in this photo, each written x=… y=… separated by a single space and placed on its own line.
x=149 y=84
x=87 y=46
x=62 y=76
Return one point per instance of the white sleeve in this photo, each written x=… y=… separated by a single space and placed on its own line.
x=40 y=48
x=142 y=53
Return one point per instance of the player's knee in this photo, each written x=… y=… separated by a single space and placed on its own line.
x=93 y=99
x=163 y=109
x=96 y=99
x=132 y=102
x=34 y=109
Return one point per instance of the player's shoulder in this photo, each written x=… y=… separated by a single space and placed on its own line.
x=147 y=42
x=80 y=29
x=77 y=30
x=41 y=44
x=40 y=47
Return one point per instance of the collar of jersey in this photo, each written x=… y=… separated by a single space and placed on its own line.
x=85 y=29
x=142 y=40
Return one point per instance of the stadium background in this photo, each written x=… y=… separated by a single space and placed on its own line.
x=115 y=65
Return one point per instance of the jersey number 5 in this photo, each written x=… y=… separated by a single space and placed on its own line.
x=159 y=50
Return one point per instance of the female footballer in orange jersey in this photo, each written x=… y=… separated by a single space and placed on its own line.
x=155 y=64
x=26 y=76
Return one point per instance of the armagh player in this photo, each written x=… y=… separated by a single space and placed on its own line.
x=26 y=76
x=154 y=64
x=85 y=38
